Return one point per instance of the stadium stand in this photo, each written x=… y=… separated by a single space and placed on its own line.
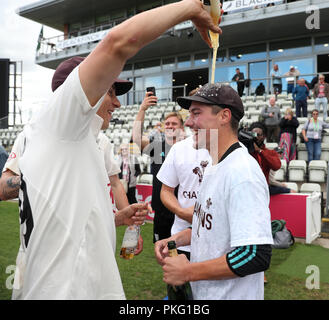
x=297 y=174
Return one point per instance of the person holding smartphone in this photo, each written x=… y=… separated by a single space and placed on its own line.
x=157 y=146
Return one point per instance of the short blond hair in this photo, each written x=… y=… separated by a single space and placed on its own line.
x=289 y=111
x=174 y=114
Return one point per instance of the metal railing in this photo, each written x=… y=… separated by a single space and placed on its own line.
x=268 y=83
x=164 y=94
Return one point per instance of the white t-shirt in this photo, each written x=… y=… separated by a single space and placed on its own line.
x=232 y=210
x=184 y=166
x=16 y=152
x=67 y=219
x=105 y=146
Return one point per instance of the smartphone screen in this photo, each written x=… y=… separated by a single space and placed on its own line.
x=151 y=89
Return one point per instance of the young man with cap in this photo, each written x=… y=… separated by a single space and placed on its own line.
x=231 y=229
x=65 y=210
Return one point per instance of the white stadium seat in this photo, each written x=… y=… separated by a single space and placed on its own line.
x=324 y=151
x=297 y=170
x=325 y=137
x=280 y=175
x=292 y=185
x=310 y=188
x=317 y=171
x=302 y=152
x=145 y=178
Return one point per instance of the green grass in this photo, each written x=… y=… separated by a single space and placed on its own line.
x=142 y=276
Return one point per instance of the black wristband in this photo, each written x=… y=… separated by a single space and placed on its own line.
x=246 y=260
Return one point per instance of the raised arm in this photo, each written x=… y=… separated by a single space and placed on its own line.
x=104 y=64
x=137 y=134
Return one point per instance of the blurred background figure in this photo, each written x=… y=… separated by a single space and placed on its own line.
x=321 y=95
x=300 y=95
x=276 y=79
x=130 y=169
x=312 y=132
x=288 y=135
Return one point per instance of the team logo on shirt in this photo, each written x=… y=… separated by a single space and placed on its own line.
x=12 y=155
x=209 y=203
x=204 y=218
x=200 y=170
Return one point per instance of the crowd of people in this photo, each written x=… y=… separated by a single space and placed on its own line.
x=283 y=129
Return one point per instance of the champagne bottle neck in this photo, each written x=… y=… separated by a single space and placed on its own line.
x=173 y=252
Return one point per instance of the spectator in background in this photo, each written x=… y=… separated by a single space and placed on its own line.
x=3 y=158
x=314 y=81
x=130 y=170
x=266 y=158
x=271 y=115
x=312 y=132
x=260 y=90
x=291 y=76
x=300 y=95
x=321 y=95
x=277 y=187
x=288 y=136
x=239 y=79
x=157 y=146
x=276 y=79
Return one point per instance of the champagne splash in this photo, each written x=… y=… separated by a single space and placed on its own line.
x=214 y=9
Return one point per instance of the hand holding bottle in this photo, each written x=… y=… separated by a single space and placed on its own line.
x=133 y=214
x=203 y=21
x=161 y=250
x=174 y=270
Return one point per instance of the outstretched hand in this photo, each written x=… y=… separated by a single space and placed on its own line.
x=133 y=214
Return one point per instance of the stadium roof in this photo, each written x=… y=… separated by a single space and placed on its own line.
x=56 y=13
x=286 y=20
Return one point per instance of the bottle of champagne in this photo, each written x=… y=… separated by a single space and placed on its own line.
x=129 y=242
x=182 y=292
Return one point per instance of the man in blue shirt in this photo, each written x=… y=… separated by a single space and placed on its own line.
x=3 y=158
x=276 y=79
x=300 y=95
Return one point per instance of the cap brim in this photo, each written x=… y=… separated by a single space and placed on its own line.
x=185 y=102
x=122 y=86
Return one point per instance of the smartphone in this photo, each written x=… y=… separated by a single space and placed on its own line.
x=151 y=89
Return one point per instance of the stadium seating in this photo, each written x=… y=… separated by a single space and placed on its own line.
x=280 y=175
x=302 y=152
x=317 y=171
x=325 y=151
x=145 y=178
x=297 y=170
x=310 y=188
x=297 y=173
x=292 y=185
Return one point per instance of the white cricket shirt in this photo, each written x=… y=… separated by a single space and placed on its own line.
x=66 y=212
x=184 y=166
x=232 y=210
